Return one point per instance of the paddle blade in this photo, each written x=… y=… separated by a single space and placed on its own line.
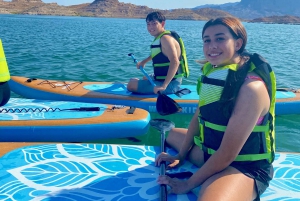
x=162 y=124
x=166 y=105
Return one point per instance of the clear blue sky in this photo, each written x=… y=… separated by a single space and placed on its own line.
x=161 y=4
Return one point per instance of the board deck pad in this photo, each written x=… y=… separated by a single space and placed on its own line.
x=34 y=120
x=110 y=172
x=34 y=104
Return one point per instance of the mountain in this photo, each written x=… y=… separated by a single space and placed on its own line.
x=250 y=9
x=245 y=9
x=216 y=5
x=104 y=8
x=278 y=20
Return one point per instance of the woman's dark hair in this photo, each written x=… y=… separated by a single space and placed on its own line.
x=155 y=16
x=234 y=79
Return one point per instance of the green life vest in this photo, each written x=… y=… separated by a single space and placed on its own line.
x=4 y=72
x=161 y=62
x=212 y=122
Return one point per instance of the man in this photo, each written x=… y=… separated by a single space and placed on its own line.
x=168 y=58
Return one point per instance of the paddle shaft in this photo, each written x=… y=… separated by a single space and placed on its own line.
x=164 y=104
x=142 y=69
x=147 y=76
x=163 y=187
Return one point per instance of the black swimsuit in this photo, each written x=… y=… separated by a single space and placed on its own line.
x=261 y=171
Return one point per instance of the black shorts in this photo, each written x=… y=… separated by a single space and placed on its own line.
x=261 y=171
x=4 y=93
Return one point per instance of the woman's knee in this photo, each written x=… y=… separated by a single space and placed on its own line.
x=176 y=137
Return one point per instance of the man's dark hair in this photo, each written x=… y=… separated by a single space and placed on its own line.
x=155 y=16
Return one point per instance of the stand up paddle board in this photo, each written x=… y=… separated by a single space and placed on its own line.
x=109 y=172
x=287 y=100
x=32 y=120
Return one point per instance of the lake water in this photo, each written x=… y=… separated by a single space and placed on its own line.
x=96 y=49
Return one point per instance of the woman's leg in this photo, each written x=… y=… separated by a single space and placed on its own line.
x=175 y=140
x=132 y=84
x=228 y=185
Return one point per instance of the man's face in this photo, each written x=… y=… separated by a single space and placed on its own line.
x=155 y=28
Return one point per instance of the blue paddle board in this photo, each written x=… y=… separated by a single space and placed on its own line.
x=110 y=172
x=287 y=101
x=32 y=120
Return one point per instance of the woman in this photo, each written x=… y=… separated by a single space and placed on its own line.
x=231 y=136
x=4 y=77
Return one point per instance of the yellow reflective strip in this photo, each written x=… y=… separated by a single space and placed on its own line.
x=162 y=65
x=165 y=64
x=216 y=127
x=263 y=128
x=2 y=59
x=163 y=77
x=247 y=157
x=197 y=141
x=253 y=157
x=179 y=75
x=155 y=52
x=201 y=127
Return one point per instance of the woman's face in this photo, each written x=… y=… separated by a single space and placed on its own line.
x=219 y=46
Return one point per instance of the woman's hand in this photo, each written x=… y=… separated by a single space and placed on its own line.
x=177 y=186
x=173 y=161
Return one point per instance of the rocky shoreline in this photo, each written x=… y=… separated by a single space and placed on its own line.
x=278 y=20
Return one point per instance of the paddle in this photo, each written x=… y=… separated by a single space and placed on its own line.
x=164 y=104
x=162 y=125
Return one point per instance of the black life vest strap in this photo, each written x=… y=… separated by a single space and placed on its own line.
x=205 y=80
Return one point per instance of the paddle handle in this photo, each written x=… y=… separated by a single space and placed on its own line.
x=163 y=192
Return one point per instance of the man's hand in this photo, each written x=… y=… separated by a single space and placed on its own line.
x=140 y=64
x=158 y=88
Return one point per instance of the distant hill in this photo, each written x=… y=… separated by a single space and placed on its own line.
x=223 y=6
x=250 y=9
x=104 y=8
x=278 y=20
x=245 y=9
